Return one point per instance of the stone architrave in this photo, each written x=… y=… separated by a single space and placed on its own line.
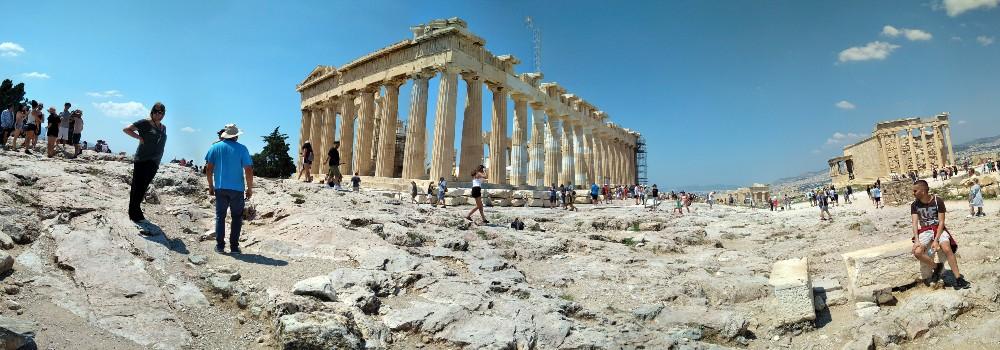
x=579 y=175
x=444 y=125
x=566 y=177
x=366 y=132
x=472 y=127
x=553 y=155
x=416 y=135
x=536 y=163
x=387 y=134
x=347 y=135
x=519 y=140
x=498 y=135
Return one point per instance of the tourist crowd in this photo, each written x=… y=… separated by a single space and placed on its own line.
x=29 y=122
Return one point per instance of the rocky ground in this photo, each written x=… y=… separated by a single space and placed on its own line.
x=323 y=269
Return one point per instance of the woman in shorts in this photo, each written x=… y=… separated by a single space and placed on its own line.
x=307 y=159
x=52 y=132
x=30 y=127
x=477 y=193
x=19 y=118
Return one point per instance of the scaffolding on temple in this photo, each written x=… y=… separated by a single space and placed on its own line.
x=640 y=161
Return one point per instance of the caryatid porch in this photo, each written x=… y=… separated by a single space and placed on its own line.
x=555 y=137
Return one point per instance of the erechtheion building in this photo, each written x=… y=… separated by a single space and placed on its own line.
x=556 y=138
x=896 y=147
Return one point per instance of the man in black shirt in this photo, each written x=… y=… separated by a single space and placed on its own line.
x=333 y=160
x=928 y=217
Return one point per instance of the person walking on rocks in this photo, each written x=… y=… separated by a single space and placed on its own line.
x=877 y=197
x=711 y=199
x=571 y=198
x=7 y=124
x=64 y=119
x=477 y=193
x=595 y=191
x=356 y=182
x=227 y=167
x=334 y=177
x=929 y=232
x=51 y=132
x=975 y=199
x=847 y=195
x=152 y=136
x=823 y=201
x=678 y=205
x=430 y=193
x=76 y=133
x=552 y=196
x=413 y=192
x=306 y=154
x=442 y=190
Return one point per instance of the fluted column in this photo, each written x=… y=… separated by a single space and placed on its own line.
x=553 y=156
x=536 y=163
x=913 y=151
x=416 y=137
x=566 y=177
x=938 y=146
x=472 y=127
x=923 y=145
x=519 y=140
x=947 y=143
x=387 y=132
x=882 y=151
x=596 y=145
x=347 y=134
x=304 y=130
x=588 y=155
x=329 y=128
x=444 y=125
x=316 y=137
x=498 y=135
x=579 y=162
x=366 y=128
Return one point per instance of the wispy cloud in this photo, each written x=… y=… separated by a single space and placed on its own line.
x=35 y=75
x=876 y=50
x=839 y=138
x=960 y=122
x=105 y=94
x=984 y=40
x=121 y=109
x=9 y=49
x=909 y=34
x=957 y=7
x=844 y=104
x=188 y=129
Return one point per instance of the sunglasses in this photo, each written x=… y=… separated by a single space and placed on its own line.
x=155 y=111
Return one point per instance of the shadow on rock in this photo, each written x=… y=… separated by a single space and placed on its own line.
x=154 y=233
x=259 y=259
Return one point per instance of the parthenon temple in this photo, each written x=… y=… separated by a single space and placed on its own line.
x=896 y=147
x=556 y=137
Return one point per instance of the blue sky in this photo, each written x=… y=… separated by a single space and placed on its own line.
x=726 y=92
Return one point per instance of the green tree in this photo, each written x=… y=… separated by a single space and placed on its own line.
x=273 y=161
x=11 y=94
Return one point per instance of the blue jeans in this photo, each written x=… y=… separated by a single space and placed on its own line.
x=233 y=201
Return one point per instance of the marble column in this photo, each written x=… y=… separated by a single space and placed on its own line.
x=928 y=166
x=366 y=132
x=553 y=156
x=536 y=163
x=519 y=142
x=304 y=130
x=947 y=143
x=913 y=150
x=444 y=125
x=498 y=135
x=316 y=138
x=588 y=155
x=416 y=137
x=596 y=145
x=566 y=177
x=938 y=146
x=387 y=132
x=882 y=152
x=579 y=175
x=329 y=128
x=472 y=127
x=347 y=135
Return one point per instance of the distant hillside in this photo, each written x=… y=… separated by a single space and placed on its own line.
x=981 y=145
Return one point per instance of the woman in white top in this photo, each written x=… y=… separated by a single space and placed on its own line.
x=477 y=192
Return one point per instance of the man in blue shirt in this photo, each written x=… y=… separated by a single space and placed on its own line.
x=594 y=191
x=6 y=124
x=227 y=165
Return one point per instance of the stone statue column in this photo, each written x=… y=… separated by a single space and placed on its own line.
x=444 y=125
x=536 y=164
x=472 y=127
x=498 y=135
x=416 y=138
x=579 y=172
x=304 y=130
x=947 y=143
x=366 y=134
x=552 y=149
x=566 y=177
x=387 y=132
x=316 y=138
x=347 y=134
x=519 y=140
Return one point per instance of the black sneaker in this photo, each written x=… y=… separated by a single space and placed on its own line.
x=220 y=250
x=961 y=283
x=235 y=250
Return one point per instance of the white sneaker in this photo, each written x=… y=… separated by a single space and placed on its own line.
x=969 y=216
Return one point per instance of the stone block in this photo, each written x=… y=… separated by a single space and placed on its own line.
x=504 y=194
x=537 y=202
x=794 y=306
x=874 y=269
x=518 y=202
x=826 y=285
x=456 y=192
x=456 y=201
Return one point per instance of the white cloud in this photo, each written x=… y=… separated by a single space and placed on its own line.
x=957 y=7
x=845 y=105
x=876 y=50
x=909 y=34
x=9 y=49
x=839 y=138
x=188 y=129
x=984 y=40
x=105 y=94
x=35 y=75
x=122 y=109
x=960 y=122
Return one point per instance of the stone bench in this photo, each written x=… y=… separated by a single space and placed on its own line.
x=793 y=292
x=873 y=272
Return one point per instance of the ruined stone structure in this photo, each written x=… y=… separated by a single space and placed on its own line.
x=755 y=194
x=555 y=137
x=895 y=147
